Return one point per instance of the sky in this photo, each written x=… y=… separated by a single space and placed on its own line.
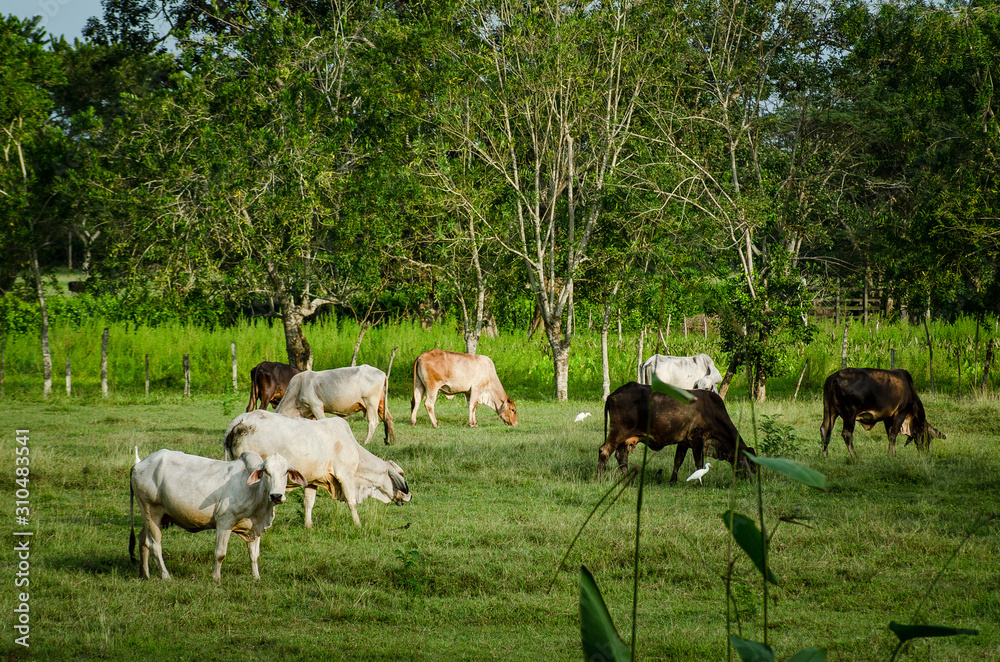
x=59 y=17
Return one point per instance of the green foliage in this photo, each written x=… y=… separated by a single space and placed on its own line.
x=413 y=575
x=777 y=439
x=748 y=537
x=600 y=638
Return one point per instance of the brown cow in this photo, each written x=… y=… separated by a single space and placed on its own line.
x=702 y=424
x=870 y=395
x=268 y=383
x=452 y=373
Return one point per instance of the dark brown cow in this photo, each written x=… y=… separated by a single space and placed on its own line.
x=870 y=395
x=268 y=383
x=702 y=424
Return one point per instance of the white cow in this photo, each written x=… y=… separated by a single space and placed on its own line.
x=698 y=371
x=327 y=454
x=452 y=373
x=197 y=493
x=341 y=391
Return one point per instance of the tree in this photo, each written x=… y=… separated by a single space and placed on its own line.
x=35 y=152
x=234 y=180
x=552 y=92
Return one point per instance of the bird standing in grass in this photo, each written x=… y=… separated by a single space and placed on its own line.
x=582 y=415
x=701 y=472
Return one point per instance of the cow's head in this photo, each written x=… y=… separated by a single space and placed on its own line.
x=275 y=473
x=508 y=412
x=918 y=430
x=402 y=494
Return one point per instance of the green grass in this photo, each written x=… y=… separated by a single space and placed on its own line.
x=461 y=571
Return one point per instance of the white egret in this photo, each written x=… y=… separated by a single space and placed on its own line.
x=582 y=415
x=701 y=472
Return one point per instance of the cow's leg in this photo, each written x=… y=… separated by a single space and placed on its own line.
x=151 y=525
x=431 y=398
x=144 y=553
x=848 y=433
x=371 y=413
x=892 y=426
x=679 y=456
x=349 y=491
x=317 y=410
x=472 y=399
x=418 y=394
x=308 y=501
x=221 y=544
x=824 y=432
x=253 y=546
x=266 y=395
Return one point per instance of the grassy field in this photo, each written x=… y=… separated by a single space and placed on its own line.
x=461 y=571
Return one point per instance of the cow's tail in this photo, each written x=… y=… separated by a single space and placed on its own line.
x=413 y=400
x=254 y=395
x=230 y=443
x=131 y=510
x=383 y=410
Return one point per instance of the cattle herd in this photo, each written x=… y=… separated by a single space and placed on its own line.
x=268 y=454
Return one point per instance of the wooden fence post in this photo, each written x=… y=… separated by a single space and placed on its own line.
x=69 y=378
x=638 y=365
x=986 y=363
x=843 y=348
x=801 y=375
x=187 y=375
x=930 y=353
x=619 y=325
x=232 y=344
x=104 y=362
x=147 y=375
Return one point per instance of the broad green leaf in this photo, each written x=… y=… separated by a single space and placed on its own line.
x=747 y=536
x=751 y=651
x=809 y=655
x=597 y=630
x=671 y=390
x=792 y=469
x=907 y=632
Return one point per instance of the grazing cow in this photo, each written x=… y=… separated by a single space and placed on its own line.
x=268 y=383
x=326 y=453
x=701 y=425
x=870 y=395
x=687 y=372
x=341 y=391
x=452 y=373
x=197 y=493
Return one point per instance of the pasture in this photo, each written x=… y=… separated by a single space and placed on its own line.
x=461 y=571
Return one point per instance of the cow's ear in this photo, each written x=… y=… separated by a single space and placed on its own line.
x=256 y=475
x=297 y=478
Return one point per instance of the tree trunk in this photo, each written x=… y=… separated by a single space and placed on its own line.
x=46 y=355
x=605 y=365
x=734 y=363
x=300 y=353
x=560 y=362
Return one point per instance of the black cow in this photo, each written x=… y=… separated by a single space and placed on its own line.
x=870 y=395
x=268 y=383
x=700 y=424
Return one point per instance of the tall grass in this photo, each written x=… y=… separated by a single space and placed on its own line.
x=524 y=365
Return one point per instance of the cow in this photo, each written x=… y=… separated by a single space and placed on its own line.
x=701 y=425
x=197 y=493
x=452 y=373
x=268 y=383
x=326 y=453
x=687 y=372
x=870 y=395
x=341 y=391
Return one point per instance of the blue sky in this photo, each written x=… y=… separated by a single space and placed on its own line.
x=59 y=17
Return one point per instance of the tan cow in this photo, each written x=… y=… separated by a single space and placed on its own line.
x=452 y=373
